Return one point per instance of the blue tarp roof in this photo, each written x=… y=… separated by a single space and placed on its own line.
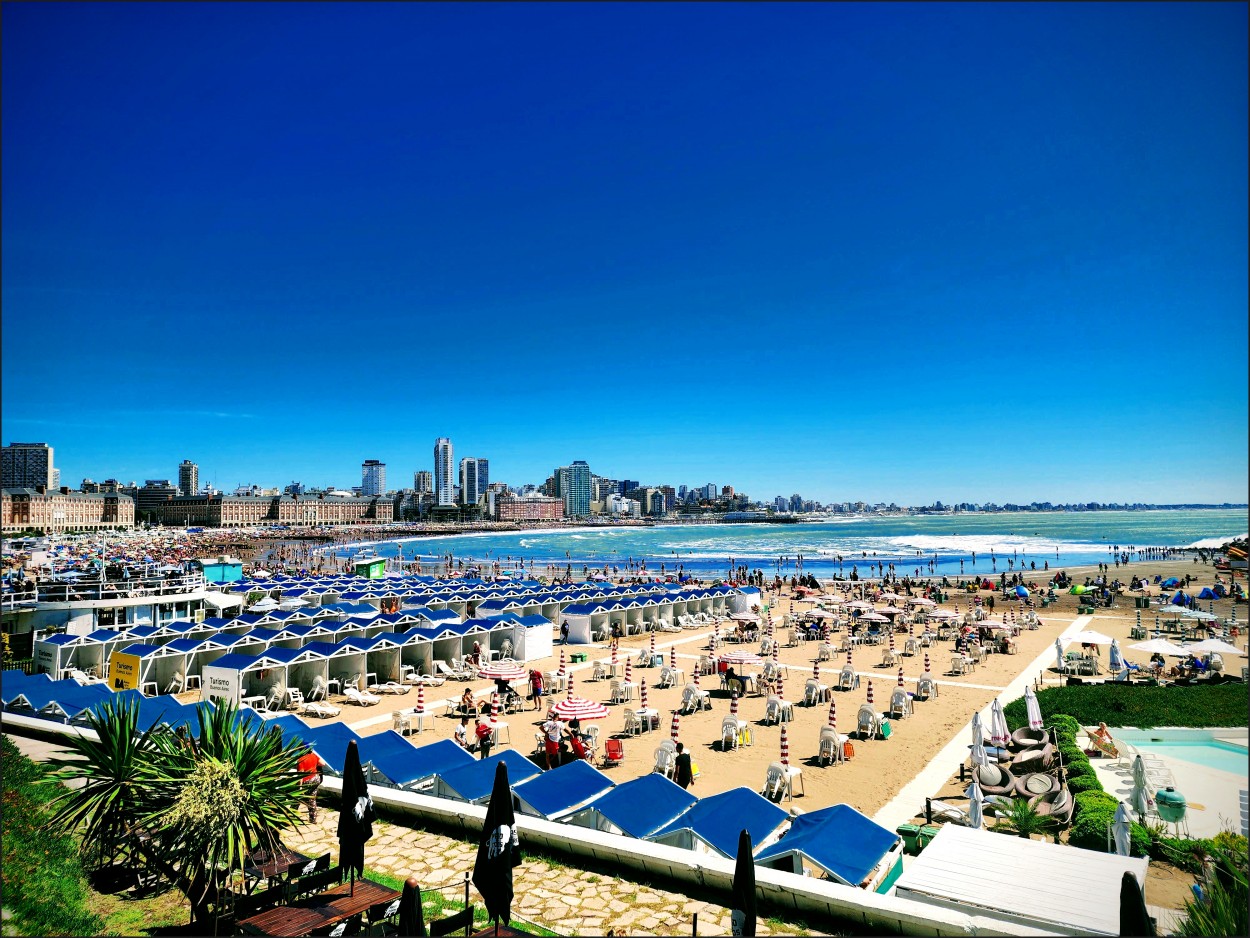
x=107 y=635
x=325 y=649
x=61 y=638
x=643 y=805
x=141 y=650
x=717 y=819
x=559 y=791
x=287 y=655
x=476 y=779
x=39 y=695
x=330 y=742
x=241 y=662
x=439 y=615
x=292 y=727
x=531 y=621
x=404 y=764
x=187 y=644
x=838 y=839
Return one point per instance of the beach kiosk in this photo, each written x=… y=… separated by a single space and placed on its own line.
x=840 y=844
x=712 y=824
x=371 y=568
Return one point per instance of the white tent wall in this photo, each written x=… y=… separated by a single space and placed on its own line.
x=305 y=674
x=221 y=684
x=581 y=627
x=532 y=642
x=349 y=667
x=266 y=681
x=163 y=669
x=419 y=655
x=384 y=663
x=744 y=600
x=50 y=657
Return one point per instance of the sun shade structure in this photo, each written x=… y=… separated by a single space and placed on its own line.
x=558 y=793
x=712 y=824
x=473 y=782
x=636 y=808
x=389 y=759
x=841 y=843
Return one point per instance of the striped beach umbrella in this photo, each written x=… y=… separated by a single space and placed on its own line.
x=563 y=668
x=911 y=630
x=848 y=656
x=694 y=676
x=642 y=694
x=781 y=687
x=420 y=698
x=833 y=713
x=775 y=644
x=1138 y=618
x=614 y=655
x=891 y=638
x=870 y=691
x=568 y=694
x=494 y=707
x=676 y=726
x=653 y=645
x=785 y=746
x=733 y=704
x=629 y=670
x=672 y=656
x=926 y=662
x=816 y=669
x=900 y=678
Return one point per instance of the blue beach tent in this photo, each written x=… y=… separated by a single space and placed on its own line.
x=712 y=823
x=473 y=782
x=555 y=794
x=330 y=742
x=402 y=765
x=839 y=842
x=636 y=808
x=1207 y=593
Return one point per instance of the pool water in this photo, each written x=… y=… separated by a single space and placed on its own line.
x=1211 y=753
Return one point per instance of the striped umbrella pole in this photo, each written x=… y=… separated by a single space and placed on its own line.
x=629 y=670
x=614 y=657
x=420 y=698
x=781 y=687
x=926 y=662
x=676 y=726
x=733 y=704
x=891 y=638
x=900 y=678
x=1139 y=621
x=833 y=713
x=775 y=651
x=816 y=670
x=911 y=630
x=785 y=746
x=642 y=694
x=494 y=707
x=569 y=693
x=694 y=676
x=563 y=668
x=848 y=655
x=870 y=692
x=672 y=656
x=652 y=644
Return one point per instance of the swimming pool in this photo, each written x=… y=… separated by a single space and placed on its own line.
x=1213 y=754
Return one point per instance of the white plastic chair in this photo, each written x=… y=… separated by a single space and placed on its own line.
x=847 y=678
x=667 y=677
x=926 y=687
x=294 y=698
x=772 y=709
x=400 y=723
x=831 y=749
x=728 y=733
x=826 y=652
x=617 y=694
x=867 y=722
x=362 y=698
x=600 y=671
x=322 y=710
x=665 y=762
x=318 y=690
x=811 y=692
x=900 y=704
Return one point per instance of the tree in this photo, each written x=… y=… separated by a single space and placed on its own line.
x=205 y=803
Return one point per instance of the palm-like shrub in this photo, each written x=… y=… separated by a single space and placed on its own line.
x=1024 y=820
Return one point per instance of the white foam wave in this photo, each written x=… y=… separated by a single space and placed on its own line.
x=985 y=543
x=1211 y=543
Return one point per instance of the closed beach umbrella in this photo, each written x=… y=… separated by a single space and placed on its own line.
x=1134 y=916
x=629 y=670
x=891 y=639
x=999 y=734
x=833 y=713
x=1032 y=707
x=498 y=851
x=356 y=814
x=672 y=656
x=411 y=921
x=1140 y=797
x=900 y=678
x=614 y=656
x=563 y=668
x=1120 y=830
x=421 y=699
x=775 y=651
x=676 y=726
x=652 y=644
x=742 y=916
x=816 y=670
x=1058 y=654
x=926 y=662
x=781 y=688
x=1115 y=661
x=870 y=692
x=978 y=742
x=848 y=656
x=785 y=746
x=494 y=707
x=733 y=704
x=975 y=815
x=694 y=677
x=642 y=694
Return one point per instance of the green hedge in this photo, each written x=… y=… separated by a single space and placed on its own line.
x=1080 y=783
x=1095 y=810
x=1145 y=707
x=44 y=886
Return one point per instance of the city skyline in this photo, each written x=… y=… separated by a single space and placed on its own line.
x=891 y=252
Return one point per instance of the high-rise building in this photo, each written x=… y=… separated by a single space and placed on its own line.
x=444 y=472
x=27 y=465
x=423 y=482
x=474 y=479
x=372 y=477
x=188 y=478
x=575 y=488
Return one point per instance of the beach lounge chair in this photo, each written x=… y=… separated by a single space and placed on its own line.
x=318 y=709
x=665 y=762
x=362 y=698
x=389 y=687
x=1058 y=805
x=847 y=678
x=613 y=752
x=442 y=668
x=1028 y=738
x=728 y=733
x=943 y=811
x=1033 y=760
x=994 y=780
x=900 y=704
x=867 y=722
x=831 y=749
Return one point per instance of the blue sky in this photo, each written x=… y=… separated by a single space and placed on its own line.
x=883 y=251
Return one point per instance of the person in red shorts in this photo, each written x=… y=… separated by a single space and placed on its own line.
x=310 y=767
x=554 y=731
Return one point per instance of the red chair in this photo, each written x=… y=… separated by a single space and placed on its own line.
x=613 y=752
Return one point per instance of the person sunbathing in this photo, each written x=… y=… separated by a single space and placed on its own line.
x=1101 y=740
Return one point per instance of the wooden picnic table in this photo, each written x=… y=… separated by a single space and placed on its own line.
x=319 y=911
x=270 y=866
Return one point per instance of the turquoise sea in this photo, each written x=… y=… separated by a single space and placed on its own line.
x=998 y=541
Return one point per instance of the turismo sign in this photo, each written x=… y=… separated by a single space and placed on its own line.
x=123 y=671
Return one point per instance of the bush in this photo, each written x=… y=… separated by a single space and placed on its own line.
x=1063 y=724
x=1080 y=783
x=1145 y=707
x=1095 y=812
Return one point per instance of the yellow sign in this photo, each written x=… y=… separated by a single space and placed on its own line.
x=123 y=671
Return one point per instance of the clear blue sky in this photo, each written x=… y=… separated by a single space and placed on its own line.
x=893 y=252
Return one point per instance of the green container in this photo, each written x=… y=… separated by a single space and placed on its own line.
x=910 y=834
x=927 y=833
x=885 y=729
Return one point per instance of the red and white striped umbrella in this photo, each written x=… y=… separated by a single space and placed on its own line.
x=580 y=708
x=733 y=704
x=781 y=687
x=629 y=670
x=891 y=639
x=911 y=630
x=694 y=676
x=494 y=707
x=785 y=746
x=775 y=645
x=833 y=713
x=848 y=656
x=501 y=671
x=816 y=669
x=642 y=694
x=676 y=726
x=741 y=656
x=870 y=691
x=672 y=656
x=652 y=644
x=926 y=662
x=563 y=668
x=613 y=654
x=900 y=678
x=420 y=698
x=569 y=690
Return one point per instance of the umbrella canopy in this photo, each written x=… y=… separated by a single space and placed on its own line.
x=921 y=601
x=1120 y=830
x=356 y=814
x=1160 y=645
x=975 y=815
x=1089 y=637
x=1214 y=646
x=498 y=851
x=741 y=657
x=742 y=917
x=873 y=617
x=1032 y=707
x=579 y=708
x=503 y=671
x=943 y=614
x=999 y=734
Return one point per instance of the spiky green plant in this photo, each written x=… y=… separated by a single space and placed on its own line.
x=1225 y=906
x=1024 y=820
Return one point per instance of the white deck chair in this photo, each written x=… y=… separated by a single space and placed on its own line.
x=445 y=671
x=389 y=687
x=775 y=783
x=728 y=733
x=811 y=692
x=889 y=656
x=766 y=646
x=173 y=687
x=400 y=723
x=600 y=671
x=505 y=650
x=617 y=694
x=826 y=652
x=554 y=682
x=702 y=700
x=900 y=704
x=275 y=696
x=772 y=709
x=926 y=687
x=911 y=647
x=665 y=762
x=317 y=691
x=362 y=698
x=294 y=698
x=319 y=709
x=847 y=678
x=867 y=722
x=667 y=677
x=831 y=749
x=949 y=812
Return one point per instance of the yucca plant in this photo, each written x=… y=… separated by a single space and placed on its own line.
x=1224 y=908
x=1024 y=820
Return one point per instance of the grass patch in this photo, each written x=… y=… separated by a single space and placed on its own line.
x=1144 y=707
x=44 y=886
x=436 y=904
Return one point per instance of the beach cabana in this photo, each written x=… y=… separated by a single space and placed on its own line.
x=712 y=824
x=245 y=644
x=745 y=599
x=330 y=742
x=415 y=651
x=473 y=781
x=157 y=665
x=236 y=677
x=389 y=759
x=839 y=844
x=195 y=652
x=54 y=653
x=304 y=666
x=558 y=793
x=585 y=621
x=532 y=637
x=382 y=656
x=437 y=618
x=345 y=662
x=637 y=808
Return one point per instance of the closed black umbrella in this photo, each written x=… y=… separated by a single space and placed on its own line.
x=742 y=918
x=411 y=921
x=1134 y=919
x=355 y=815
x=498 y=851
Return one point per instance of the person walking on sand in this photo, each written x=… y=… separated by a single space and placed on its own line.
x=684 y=768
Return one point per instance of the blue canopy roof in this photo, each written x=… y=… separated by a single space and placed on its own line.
x=643 y=805
x=404 y=764
x=531 y=621
x=438 y=615
x=238 y=662
x=289 y=655
x=39 y=694
x=717 y=819
x=293 y=728
x=474 y=781
x=61 y=638
x=839 y=839
x=330 y=742
x=107 y=635
x=558 y=792
x=326 y=649
x=141 y=650
x=187 y=644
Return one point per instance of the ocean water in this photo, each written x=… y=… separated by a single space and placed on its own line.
x=955 y=544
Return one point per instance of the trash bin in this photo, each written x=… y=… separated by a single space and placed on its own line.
x=927 y=833
x=910 y=833
x=657 y=661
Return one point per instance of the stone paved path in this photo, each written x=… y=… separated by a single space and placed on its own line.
x=565 y=899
